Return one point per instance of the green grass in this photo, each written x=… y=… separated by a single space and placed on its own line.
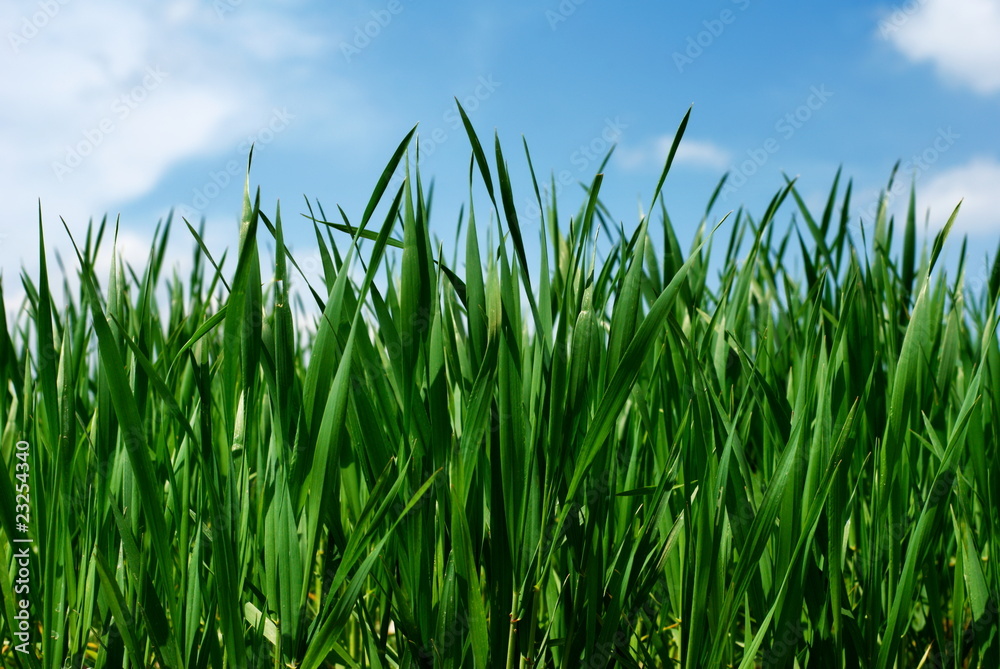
x=594 y=455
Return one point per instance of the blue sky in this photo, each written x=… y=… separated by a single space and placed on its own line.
x=136 y=108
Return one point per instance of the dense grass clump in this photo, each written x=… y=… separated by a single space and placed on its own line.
x=584 y=460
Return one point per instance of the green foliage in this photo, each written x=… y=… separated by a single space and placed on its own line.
x=638 y=465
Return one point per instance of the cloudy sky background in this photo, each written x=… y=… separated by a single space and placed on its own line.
x=134 y=109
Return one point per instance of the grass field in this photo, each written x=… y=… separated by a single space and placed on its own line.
x=586 y=460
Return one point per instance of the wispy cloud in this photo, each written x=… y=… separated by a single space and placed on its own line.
x=975 y=184
x=91 y=124
x=102 y=100
x=959 y=37
x=697 y=153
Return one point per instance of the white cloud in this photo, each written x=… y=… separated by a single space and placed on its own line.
x=697 y=153
x=977 y=185
x=77 y=80
x=959 y=37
